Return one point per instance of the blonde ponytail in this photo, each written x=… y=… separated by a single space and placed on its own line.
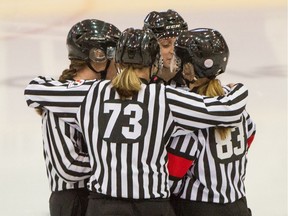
x=213 y=88
x=127 y=83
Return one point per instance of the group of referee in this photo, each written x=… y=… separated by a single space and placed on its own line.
x=120 y=138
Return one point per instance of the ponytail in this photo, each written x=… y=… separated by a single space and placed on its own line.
x=127 y=83
x=213 y=88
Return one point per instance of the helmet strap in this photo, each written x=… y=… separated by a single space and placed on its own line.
x=150 y=72
x=103 y=72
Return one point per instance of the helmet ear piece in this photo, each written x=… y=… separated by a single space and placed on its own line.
x=208 y=63
x=110 y=52
x=97 y=55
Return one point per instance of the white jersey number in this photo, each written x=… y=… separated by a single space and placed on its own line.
x=133 y=121
x=233 y=145
x=123 y=121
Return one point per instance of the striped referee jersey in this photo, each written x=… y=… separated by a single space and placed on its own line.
x=126 y=139
x=205 y=168
x=66 y=159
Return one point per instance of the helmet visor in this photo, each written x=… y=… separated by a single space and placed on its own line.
x=97 y=55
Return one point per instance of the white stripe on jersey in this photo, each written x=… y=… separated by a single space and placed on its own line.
x=224 y=184
x=212 y=167
x=135 y=171
x=113 y=166
x=124 y=179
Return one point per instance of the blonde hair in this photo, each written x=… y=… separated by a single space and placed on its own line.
x=127 y=83
x=68 y=74
x=39 y=111
x=214 y=88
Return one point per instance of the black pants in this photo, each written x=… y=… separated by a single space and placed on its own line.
x=100 y=205
x=71 y=202
x=191 y=208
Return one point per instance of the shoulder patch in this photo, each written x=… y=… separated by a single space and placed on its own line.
x=75 y=83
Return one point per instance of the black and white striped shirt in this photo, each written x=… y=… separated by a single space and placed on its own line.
x=66 y=160
x=219 y=166
x=127 y=139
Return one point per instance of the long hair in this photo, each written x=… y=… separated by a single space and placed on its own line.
x=68 y=74
x=213 y=88
x=127 y=83
x=74 y=67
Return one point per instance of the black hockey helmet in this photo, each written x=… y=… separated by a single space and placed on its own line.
x=137 y=46
x=165 y=24
x=89 y=35
x=205 y=48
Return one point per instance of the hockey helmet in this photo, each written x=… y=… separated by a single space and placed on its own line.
x=205 y=48
x=165 y=24
x=88 y=38
x=137 y=46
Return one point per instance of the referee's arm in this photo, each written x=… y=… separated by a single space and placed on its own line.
x=251 y=128
x=60 y=98
x=192 y=111
x=182 y=151
x=64 y=150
